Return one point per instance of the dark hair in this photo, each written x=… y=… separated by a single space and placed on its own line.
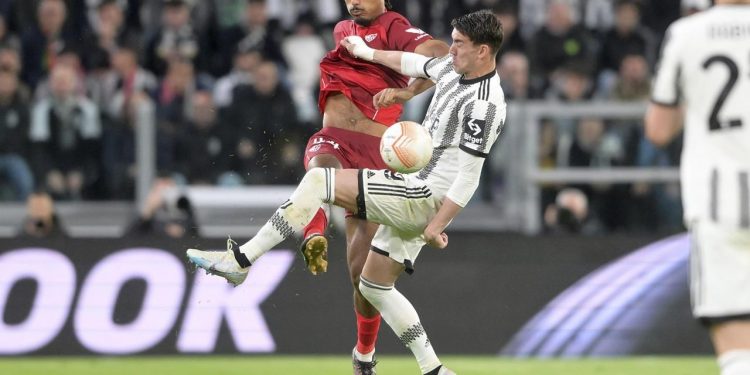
x=388 y=5
x=482 y=27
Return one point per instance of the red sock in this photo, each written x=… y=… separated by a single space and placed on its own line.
x=318 y=224
x=367 y=332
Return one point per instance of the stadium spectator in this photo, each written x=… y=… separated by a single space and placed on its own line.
x=14 y=140
x=255 y=32
x=558 y=43
x=176 y=39
x=41 y=219
x=514 y=75
x=8 y=39
x=65 y=134
x=42 y=42
x=264 y=114
x=570 y=214
x=627 y=37
x=161 y=216
x=205 y=146
x=303 y=50
x=244 y=65
x=507 y=14
x=126 y=80
x=109 y=32
x=174 y=94
x=119 y=145
x=633 y=82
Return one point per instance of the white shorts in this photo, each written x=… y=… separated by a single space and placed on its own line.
x=404 y=205
x=719 y=271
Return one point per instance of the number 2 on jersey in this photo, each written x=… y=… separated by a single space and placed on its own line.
x=734 y=74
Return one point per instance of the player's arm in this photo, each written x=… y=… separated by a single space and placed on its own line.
x=406 y=63
x=663 y=123
x=663 y=119
x=459 y=194
x=390 y=96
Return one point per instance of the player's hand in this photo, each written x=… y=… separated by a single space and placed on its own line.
x=358 y=48
x=389 y=97
x=438 y=240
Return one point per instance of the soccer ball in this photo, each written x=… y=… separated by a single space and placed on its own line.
x=406 y=147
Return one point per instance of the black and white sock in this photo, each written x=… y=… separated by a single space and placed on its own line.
x=316 y=188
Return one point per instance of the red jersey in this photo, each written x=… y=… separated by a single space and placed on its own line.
x=360 y=80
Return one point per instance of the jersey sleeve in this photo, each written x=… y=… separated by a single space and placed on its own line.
x=436 y=67
x=482 y=123
x=402 y=36
x=340 y=31
x=666 y=85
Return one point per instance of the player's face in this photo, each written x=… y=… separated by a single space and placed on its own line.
x=365 y=11
x=464 y=52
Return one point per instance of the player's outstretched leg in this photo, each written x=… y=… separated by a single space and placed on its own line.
x=227 y=264
x=316 y=188
x=399 y=313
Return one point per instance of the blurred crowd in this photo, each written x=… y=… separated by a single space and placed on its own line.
x=231 y=88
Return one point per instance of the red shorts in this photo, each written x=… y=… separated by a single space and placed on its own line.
x=352 y=149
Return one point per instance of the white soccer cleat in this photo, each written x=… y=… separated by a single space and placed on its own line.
x=220 y=263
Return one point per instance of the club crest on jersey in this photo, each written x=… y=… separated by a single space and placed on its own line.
x=473 y=131
x=370 y=37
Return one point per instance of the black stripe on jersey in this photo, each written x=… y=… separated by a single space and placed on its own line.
x=402 y=195
x=426 y=65
x=361 y=207
x=714 y=198
x=450 y=131
x=396 y=189
x=744 y=201
x=473 y=152
x=396 y=186
x=384 y=190
x=445 y=90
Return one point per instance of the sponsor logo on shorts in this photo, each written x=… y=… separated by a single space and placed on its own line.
x=319 y=141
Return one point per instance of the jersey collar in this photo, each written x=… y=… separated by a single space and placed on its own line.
x=465 y=81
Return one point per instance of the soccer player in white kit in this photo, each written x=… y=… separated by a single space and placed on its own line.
x=703 y=80
x=465 y=118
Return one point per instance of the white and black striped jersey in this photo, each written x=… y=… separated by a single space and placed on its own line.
x=465 y=115
x=705 y=68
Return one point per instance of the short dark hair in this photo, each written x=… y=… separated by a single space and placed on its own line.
x=388 y=5
x=482 y=27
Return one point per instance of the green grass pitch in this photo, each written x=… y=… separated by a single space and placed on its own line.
x=333 y=365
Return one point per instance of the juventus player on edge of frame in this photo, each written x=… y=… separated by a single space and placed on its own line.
x=465 y=118
x=705 y=72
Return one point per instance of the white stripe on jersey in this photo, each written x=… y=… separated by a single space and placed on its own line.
x=705 y=67
x=463 y=115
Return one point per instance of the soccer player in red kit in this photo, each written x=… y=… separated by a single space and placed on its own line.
x=355 y=115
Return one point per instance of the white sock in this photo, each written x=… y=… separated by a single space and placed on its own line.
x=735 y=362
x=364 y=357
x=316 y=188
x=403 y=319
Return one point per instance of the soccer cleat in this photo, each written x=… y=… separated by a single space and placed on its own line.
x=362 y=367
x=314 y=250
x=445 y=371
x=220 y=263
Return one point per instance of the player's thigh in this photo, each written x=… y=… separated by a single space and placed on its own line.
x=324 y=161
x=731 y=335
x=346 y=189
x=381 y=269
